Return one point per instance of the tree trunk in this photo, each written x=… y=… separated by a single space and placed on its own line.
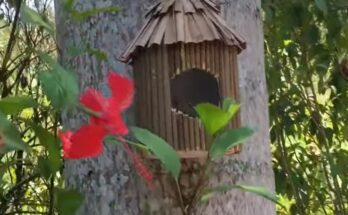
x=108 y=182
x=253 y=165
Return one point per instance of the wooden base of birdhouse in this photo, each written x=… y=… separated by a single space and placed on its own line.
x=166 y=187
x=189 y=181
x=204 y=154
x=196 y=154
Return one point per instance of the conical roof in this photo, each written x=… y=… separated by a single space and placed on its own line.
x=187 y=21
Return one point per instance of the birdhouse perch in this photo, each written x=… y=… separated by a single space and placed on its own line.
x=184 y=55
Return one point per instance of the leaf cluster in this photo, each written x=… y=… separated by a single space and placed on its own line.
x=306 y=47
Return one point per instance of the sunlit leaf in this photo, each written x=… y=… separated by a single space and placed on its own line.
x=33 y=17
x=165 y=153
x=58 y=84
x=13 y=105
x=213 y=118
x=10 y=136
x=227 y=140
x=230 y=107
x=4 y=167
x=52 y=146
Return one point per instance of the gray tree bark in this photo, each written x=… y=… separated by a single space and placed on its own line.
x=108 y=182
x=253 y=165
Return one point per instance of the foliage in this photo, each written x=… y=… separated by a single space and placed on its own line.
x=23 y=107
x=228 y=140
x=209 y=193
x=14 y=105
x=34 y=88
x=214 y=118
x=161 y=149
x=58 y=84
x=31 y=101
x=307 y=71
x=306 y=63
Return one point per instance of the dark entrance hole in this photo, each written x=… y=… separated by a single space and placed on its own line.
x=191 y=88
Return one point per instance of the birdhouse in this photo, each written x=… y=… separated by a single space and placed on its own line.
x=184 y=55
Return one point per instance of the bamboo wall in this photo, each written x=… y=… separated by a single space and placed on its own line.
x=153 y=69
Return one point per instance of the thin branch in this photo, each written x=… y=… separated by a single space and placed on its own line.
x=182 y=205
x=9 y=48
x=5 y=198
x=286 y=164
x=24 y=212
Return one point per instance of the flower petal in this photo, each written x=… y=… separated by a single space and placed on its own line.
x=115 y=123
x=93 y=100
x=122 y=90
x=65 y=138
x=85 y=142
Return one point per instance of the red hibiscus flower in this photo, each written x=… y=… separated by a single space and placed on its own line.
x=110 y=109
x=85 y=142
x=122 y=91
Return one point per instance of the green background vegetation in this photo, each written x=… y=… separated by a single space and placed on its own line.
x=306 y=43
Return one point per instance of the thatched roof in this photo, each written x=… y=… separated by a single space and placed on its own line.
x=187 y=21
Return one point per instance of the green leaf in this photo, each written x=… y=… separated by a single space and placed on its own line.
x=213 y=118
x=59 y=85
x=68 y=5
x=261 y=191
x=11 y=137
x=256 y=190
x=111 y=140
x=322 y=5
x=76 y=50
x=13 y=105
x=80 y=49
x=227 y=140
x=44 y=167
x=30 y=16
x=345 y=132
x=52 y=146
x=4 y=167
x=161 y=149
x=68 y=201
x=98 y=53
x=80 y=16
x=227 y=103
x=230 y=107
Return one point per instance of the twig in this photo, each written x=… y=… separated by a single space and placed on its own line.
x=182 y=205
x=5 y=198
x=284 y=156
x=10 y=45
x=24 y=212
x=199 y=184
x=51 y=185
x=12 y=38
